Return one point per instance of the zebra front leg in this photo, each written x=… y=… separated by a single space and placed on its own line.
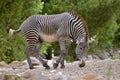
x=27 y=53
x=63 y=52
x=64 y=56
x=36 y=54
x=62 y=62
x=55 y=65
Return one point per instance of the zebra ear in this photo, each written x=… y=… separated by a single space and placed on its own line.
x=92 y=39
x=77 y=42
x=71 y=40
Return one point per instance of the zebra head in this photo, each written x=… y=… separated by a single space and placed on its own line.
x=81 y=50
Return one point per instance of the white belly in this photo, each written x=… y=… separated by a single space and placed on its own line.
x=49 y=38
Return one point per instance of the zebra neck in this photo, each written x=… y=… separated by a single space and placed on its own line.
x=72 y=37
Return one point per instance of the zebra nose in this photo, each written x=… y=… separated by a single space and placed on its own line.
x=82 y=63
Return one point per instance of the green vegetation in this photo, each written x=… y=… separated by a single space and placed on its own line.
x=102 y=17
x=12 y=14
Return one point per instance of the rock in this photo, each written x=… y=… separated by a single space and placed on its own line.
x=1 y=76
x=113 y=54
x=116 y=54
x=18 y=64
x=96 y=57
x=35 y=74
x=10 y=76
x=94 y=70
x=58 y=76
x=89 y=57
x=52 y=61
x=104 y=55
x=3 y=64
x=92 y=77
x=34 y=61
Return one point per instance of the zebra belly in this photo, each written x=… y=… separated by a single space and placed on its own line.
x=50 y=38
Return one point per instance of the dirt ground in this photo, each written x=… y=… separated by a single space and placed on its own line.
x=94 y=70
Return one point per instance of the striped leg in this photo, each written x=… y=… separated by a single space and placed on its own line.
x=55 y=65
x=27 y=53
x=63 y=58
x=64 y=55
x=36 y=54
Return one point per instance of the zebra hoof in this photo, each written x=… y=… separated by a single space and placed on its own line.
x=31 y=67
x=55 y=65
x=62 y=66
x=47 y=67
x=82 y=64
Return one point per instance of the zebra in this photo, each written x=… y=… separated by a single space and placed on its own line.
x=64 y=28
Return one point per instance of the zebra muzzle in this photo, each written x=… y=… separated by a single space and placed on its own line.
x=81 y=63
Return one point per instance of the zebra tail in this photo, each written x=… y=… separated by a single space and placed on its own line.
x=11 y=32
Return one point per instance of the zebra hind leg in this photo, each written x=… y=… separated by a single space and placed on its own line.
x=27 y=53
x=36 y=54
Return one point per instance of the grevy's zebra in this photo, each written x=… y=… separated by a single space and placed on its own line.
x=64 y=28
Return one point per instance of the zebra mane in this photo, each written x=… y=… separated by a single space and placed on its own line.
x=74 y=13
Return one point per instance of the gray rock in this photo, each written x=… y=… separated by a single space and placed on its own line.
x=58 y=76
x=1 y=76
x=95 y=57
x=34 y=61
x=89 y=57
x=116 y=54
x=18 y=64
x=3 y=64
x=35 y=74
x=104 y=55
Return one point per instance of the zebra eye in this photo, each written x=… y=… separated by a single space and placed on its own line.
x=80 y=48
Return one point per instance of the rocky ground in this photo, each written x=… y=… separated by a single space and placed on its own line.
x=94 y=70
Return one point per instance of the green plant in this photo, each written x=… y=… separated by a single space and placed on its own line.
x=12 y=14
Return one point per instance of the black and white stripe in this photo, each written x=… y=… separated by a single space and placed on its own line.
x=49 y=24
